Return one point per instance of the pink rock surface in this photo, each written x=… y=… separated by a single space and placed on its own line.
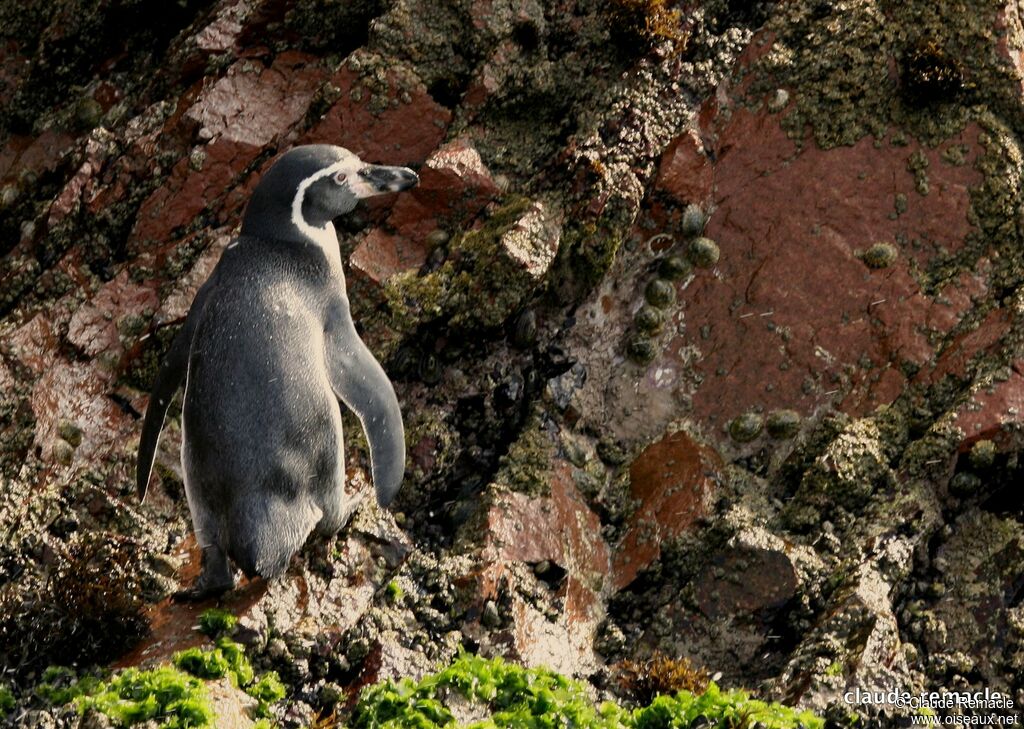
x=177 y=304
x=247 y=109
x=94 y=328
x=81 y=188
x=685 y=171
x=222 y=33
x=559 y=528
x=33 y=345
x=403 y=133
x=744 y=581
x=994 y=412
x=73 y=392
x=20 y=154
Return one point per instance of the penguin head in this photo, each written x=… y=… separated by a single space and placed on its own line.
x=316 y=183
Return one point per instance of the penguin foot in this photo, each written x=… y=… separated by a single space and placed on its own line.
x=197 y=593
x=215 y=579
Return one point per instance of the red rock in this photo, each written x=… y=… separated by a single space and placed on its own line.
x=560 y=528
x=81 y=187
x=243 y=112
x=685 y=171
x=6 y=379
x=673 y=481
x=380 y=255
x=107 y=94
x=94 y=326
x=69 y=197
x=423 y=455
x=405 y=133
x=175 y=307
x=490 y=77
x=221 y=35
x=994 y=412
x=13 y=67
x=1010 y=38
x=532 y=242
x=455 y=185
x=73 y=392
x=33 y=345
x=791 y=317
x=955 y=358
x=253 y=105
x=33 y=154
x=745 y=580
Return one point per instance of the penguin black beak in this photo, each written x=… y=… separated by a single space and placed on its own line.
x=389 y=179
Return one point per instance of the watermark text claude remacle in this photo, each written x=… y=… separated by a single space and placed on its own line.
x=1001 y=705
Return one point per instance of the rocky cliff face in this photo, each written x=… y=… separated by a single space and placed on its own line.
x=705 y=320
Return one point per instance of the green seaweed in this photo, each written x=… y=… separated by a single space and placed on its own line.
x=61 y=685
x=6 y=700
x=227 y=658
x=178 y=700
x=215 y=622
x=528 y=698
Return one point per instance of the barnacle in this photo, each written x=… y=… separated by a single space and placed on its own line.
x=880 y=255
x=660 y=293
x=746 y=427
x=703 y=252
x=649 y=319
x=674 y=268
x=641 y=350
x=782 y=424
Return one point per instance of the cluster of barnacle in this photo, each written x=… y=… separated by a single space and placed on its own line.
x=660 y=293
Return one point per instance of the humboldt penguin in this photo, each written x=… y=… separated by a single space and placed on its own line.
x=266 y=353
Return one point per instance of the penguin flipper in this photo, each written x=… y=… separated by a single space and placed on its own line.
x=168 y=379
x=360 y=382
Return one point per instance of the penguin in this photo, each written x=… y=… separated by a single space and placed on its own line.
x=266 y=354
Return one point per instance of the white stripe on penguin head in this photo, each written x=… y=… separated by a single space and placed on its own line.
x=300 y=196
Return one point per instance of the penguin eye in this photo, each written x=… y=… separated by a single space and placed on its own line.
x=340 y=177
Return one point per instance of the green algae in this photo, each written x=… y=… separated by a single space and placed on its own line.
x=513 y=696
x=7 y=701
x=227 y=658
x=174 y=695
x=216 y=622
x=178 y=700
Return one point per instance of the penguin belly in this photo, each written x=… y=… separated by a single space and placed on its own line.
x=262 y=449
